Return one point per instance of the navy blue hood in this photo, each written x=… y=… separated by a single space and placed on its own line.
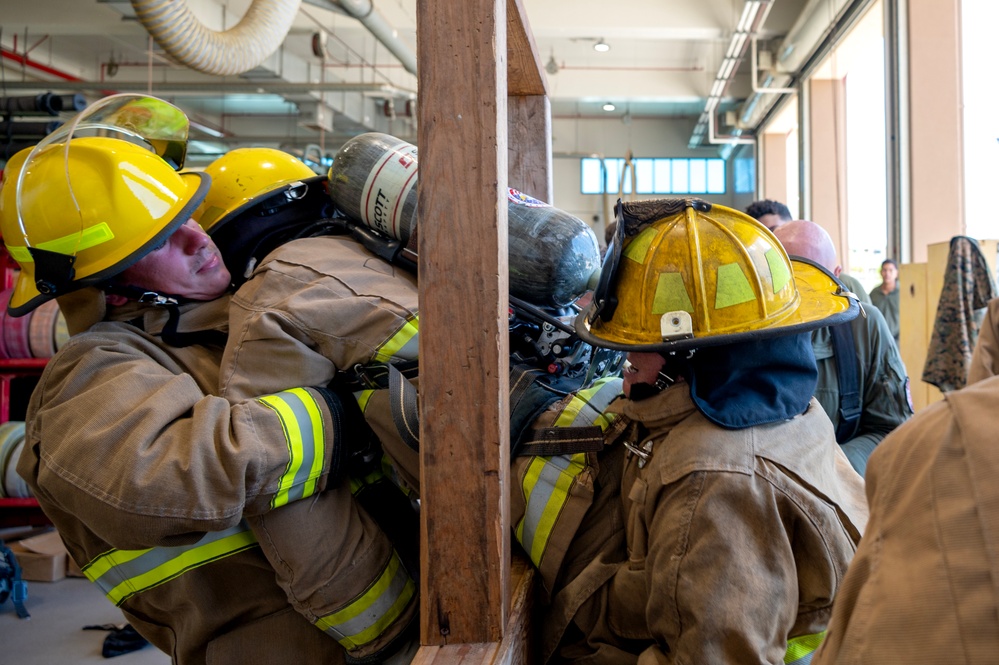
x=754 y=383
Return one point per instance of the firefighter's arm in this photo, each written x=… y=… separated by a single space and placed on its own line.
x=129 y=442
x=886 y=402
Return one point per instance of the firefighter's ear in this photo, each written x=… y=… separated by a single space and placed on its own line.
x=115 y=299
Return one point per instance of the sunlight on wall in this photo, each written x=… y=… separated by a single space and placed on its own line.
x=981 y=118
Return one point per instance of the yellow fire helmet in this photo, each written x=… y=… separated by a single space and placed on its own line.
x=683 y=273
x=75 y=212
x=246 y=177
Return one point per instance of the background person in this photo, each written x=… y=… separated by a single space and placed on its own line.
x=770 y=213
x=885 y=296
x=879 y=380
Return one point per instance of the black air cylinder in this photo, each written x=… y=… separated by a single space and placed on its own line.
x=552 y=255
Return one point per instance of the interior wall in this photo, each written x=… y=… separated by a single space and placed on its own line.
x=575 y=138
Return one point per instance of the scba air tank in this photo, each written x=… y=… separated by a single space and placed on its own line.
x=554 y=257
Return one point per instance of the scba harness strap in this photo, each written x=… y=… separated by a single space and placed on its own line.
x=11 y=584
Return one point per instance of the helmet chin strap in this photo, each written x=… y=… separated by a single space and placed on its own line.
x=144 y=296
x=172 y=304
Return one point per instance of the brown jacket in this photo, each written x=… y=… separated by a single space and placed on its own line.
x=923 y=585
x=148 y=476
x=736 y=542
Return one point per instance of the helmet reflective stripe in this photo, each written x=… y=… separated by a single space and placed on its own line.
x=304 y=433
x=402 y=345
x=123 y=573
x=801 y=649
x=71 y=244
x=548 y=480
x=365 y=618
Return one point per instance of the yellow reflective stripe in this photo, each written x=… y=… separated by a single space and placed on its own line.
x=68 y=244
x=800 y=649
x=366 y=618
x=123 y=573
x=733 y=287
x=390 y=349
x=780 y=276
x=581 y=400
x=547 y=481
x=546 y=489
x=302 y=422
x=362 y=398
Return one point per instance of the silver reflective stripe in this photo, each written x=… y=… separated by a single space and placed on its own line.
x=123 y=573
x=302 y=421
x=403 y=345
x=366 y=617
x=548 y=480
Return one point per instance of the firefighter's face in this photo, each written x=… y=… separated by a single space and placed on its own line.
x=641 y=367
x=188 y=265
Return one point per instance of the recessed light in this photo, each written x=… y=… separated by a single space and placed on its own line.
x=609 y=107
x=601 y=46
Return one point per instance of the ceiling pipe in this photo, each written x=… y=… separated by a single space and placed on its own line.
x=213 y=87
x=28 y=62
x=364 y=11
x=178 y=31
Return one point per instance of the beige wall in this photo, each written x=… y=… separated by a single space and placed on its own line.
x=827 y=147
x=775 y=167
x=935 y=123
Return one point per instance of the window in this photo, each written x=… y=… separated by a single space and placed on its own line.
x=652 y=176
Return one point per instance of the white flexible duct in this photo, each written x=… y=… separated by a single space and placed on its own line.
x=241 y=48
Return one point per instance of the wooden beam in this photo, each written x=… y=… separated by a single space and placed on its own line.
x=525 y=73
x=464 y=345
x=530 y=143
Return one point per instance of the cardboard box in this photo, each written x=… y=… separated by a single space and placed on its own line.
x=72 y=570
x=42 y=558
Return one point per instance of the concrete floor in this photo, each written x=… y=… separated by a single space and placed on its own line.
x=54 y=633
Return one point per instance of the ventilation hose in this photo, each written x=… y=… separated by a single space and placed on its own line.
x=241 y=48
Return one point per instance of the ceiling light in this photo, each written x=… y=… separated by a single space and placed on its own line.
x=609 y=107
x=749 y=11
x=601 y=46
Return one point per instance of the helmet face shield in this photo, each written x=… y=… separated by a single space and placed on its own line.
x=95 y=196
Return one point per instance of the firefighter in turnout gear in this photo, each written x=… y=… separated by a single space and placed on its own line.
x=170 y=497
x=325 y=295
x=741 y=513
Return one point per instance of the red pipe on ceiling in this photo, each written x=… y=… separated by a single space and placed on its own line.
x=27 y=62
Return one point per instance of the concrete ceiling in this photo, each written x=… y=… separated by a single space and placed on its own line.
x=332 y=78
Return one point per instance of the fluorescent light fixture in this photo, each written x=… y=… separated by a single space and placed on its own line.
x=718 y=88
x=735 y=48
x=727 y=67
x=601 y=46
x=748 y=16
x=712 y=104
x=608 y=107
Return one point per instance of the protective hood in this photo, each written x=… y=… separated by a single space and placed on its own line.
x=755 y=382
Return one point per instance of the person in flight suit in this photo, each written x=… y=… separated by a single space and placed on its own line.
x=879 y=386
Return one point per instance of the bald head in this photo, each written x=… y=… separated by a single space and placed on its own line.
x=809 y=240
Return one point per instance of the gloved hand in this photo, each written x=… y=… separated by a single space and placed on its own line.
x=356 y=450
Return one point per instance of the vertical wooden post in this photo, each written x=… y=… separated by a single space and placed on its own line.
x=464 y=348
